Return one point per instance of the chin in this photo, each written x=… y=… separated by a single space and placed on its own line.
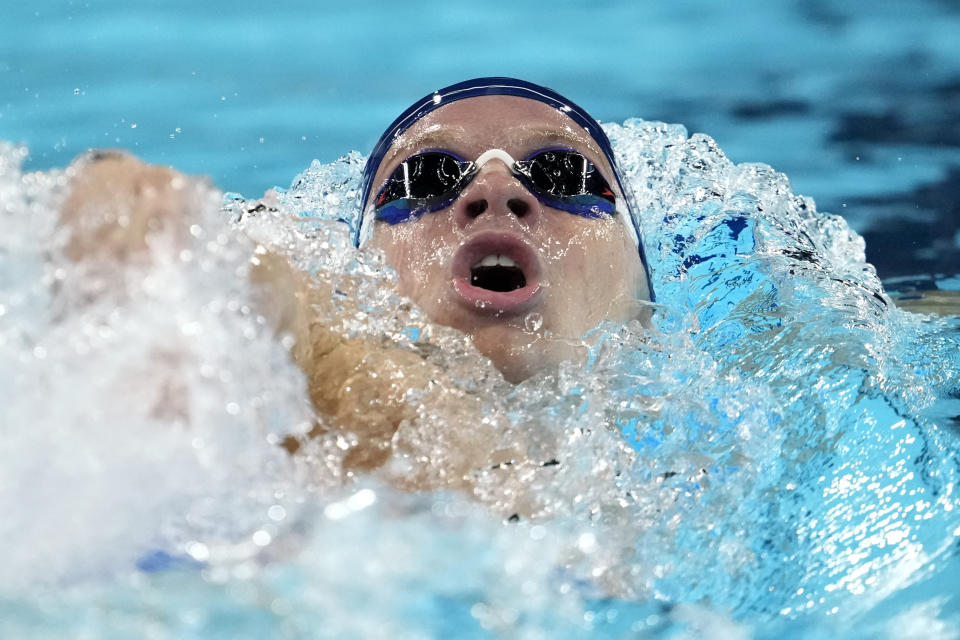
x=520 y=354
x=515 y=368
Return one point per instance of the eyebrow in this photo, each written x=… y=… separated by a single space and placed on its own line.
x=439 y=135
x=564 y=135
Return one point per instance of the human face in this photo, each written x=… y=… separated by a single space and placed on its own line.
x=577 y=271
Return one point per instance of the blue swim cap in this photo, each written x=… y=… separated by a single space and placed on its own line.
x=498 y=87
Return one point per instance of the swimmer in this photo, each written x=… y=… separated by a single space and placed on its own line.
x=498 y=203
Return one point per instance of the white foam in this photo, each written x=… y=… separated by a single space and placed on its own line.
x=663 y=469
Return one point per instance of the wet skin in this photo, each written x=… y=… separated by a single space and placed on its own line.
x=579 y=271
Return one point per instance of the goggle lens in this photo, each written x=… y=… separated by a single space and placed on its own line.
x=431 y=180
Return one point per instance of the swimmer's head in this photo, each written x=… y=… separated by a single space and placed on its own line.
x=500 y=206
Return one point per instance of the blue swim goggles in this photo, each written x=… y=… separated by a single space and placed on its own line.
x=431 y=180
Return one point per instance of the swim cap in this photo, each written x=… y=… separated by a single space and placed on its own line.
x=497 y=87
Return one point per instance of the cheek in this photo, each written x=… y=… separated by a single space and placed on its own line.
x=417 y=252
x=594 y=270
x=582 y=248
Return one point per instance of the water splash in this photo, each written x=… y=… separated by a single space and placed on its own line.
x=773 y=453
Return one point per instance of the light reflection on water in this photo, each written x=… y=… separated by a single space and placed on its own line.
x=770 y=460
x=860 y=108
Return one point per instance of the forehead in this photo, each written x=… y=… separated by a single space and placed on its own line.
x=471 y=126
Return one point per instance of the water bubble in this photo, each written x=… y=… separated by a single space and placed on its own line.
x=357 y=502
x=198 y=551
x=655 y=408
x=587 y=543
x=533 y=321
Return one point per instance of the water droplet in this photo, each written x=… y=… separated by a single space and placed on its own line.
x=587 y=543
x=198 y=551
x=533 y=321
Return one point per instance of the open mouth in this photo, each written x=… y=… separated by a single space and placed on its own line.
x=496 y=272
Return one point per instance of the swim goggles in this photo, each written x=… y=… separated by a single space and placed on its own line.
x=433 y=179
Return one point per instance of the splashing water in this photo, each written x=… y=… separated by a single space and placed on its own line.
x=773 y=459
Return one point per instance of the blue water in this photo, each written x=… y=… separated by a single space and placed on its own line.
x=777 y=462
x=857 y=102
x=774 y=460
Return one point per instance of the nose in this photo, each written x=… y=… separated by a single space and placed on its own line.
x=496 y=193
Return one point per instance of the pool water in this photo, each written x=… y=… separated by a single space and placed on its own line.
x=857 y=102
x=776 y=459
